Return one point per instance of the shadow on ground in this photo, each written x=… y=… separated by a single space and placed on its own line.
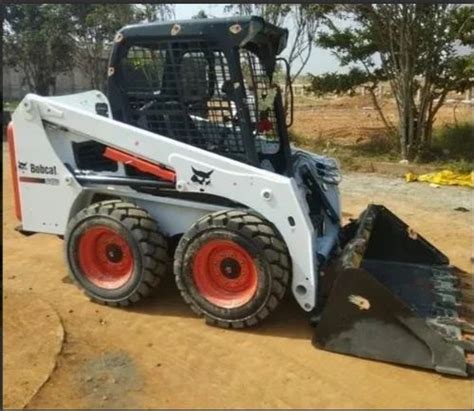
x=288 y=321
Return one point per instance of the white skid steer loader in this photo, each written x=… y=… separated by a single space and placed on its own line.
x=187 y=160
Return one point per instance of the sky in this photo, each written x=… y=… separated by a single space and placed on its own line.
x=321 y=61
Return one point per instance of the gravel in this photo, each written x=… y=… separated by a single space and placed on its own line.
x=377 y=187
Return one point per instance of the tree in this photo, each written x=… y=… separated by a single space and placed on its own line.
x=304 y=18
x=201 y=14
x=36 y=40
x=412 y=46
x=153 y=12
x=46 y=40
x=95 y=26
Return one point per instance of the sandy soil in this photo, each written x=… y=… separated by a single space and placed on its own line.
x=158 y=354
x=348 y=120
x=33 y=338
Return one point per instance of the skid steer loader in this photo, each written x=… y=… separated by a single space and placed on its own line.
x=187 y=161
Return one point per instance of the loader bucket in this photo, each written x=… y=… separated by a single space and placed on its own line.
x=392 y=296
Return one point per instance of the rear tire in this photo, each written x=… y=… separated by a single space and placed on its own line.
x=115 y=252
x=233 y=268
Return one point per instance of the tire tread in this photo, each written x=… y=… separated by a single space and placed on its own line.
x=273 y=249
x=152 y=245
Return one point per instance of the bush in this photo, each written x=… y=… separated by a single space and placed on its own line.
x=381 y=146
x=455 y=141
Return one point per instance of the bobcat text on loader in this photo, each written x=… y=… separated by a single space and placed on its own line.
x=187 y=160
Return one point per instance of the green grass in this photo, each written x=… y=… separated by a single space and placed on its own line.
x=380 y=147
x=356 y=157
x=455 y=141
x=452 y=148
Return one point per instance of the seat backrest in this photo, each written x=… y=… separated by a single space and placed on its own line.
x=171 y=119
x=181 y=126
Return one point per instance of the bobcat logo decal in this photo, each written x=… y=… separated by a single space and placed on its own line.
x=201 y=177
x=22 y=165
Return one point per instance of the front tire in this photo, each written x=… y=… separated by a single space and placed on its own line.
x=115 y=252
x=233 y=268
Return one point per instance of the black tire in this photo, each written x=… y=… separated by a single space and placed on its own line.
x=265 y=246
x=144 y=244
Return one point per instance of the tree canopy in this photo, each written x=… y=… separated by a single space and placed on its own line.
x=50 y=39
x=95 y=26
x=415 y=47
x=304 y=19
x=36 y=39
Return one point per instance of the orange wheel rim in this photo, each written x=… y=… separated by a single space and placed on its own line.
x=105 y=257
x=225 y=273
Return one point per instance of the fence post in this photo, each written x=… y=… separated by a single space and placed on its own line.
x=469 y=94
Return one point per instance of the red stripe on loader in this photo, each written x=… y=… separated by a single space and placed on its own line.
x=11 y=151
x=140 y=164
x=32 y=180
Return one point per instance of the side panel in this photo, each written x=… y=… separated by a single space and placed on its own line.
x=47 y=188
x=175 y=217
x=46 y=206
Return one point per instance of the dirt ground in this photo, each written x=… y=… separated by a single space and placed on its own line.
x=159 y=355
x=346 y=120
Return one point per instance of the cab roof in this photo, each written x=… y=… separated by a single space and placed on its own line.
x=234 y=31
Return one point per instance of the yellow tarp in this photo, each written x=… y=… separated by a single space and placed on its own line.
x=444 y=177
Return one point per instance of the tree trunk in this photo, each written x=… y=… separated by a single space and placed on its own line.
x=428 y=132
x=42 y=88
x=402 y=127
x=377 y=106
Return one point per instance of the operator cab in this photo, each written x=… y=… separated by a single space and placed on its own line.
x=207 y=83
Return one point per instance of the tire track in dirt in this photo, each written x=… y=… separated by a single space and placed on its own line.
x=31 y=346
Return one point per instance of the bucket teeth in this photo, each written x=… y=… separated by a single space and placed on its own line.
x=466 y=286
x=444 y=313
x=466 y=311
x=452 y=333
x=466 y=282
x=453 y=314
x=447 y=300
x=470 y=364
x=461 y=323
x=445 y=286
x=444 y=274
x=451 y=293
x=467 y=346
x=467 y=295
x=466 y=326
x=466 y=279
